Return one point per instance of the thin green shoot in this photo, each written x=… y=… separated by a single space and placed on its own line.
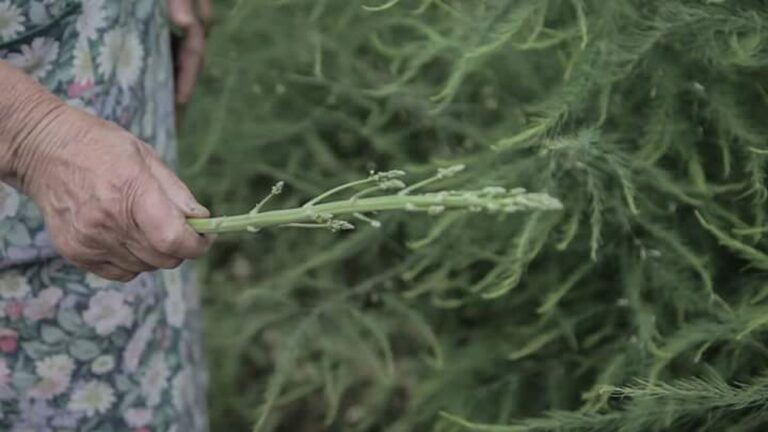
x=318 y=214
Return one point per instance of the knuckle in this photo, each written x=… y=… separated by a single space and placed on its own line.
x=144 y=267
x=74 y=253
x=143 y=149
x=134 y=193
x=112 y=273
x=92 y=216
x=88 y=267
x=91 y=239
x=106 y=272
x=170 y=241
x=126 y=277
x=130 y=262
x=129 y=265
x=170 y=263
x=103 y=274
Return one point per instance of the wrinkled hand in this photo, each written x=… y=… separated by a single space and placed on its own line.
x=192 y=21
x=110 y=204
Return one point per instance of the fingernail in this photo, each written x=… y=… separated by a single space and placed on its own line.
x=198 y=210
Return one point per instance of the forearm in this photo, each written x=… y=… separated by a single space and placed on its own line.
x=25 y=109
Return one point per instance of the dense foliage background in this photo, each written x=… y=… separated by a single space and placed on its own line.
x=642 y=306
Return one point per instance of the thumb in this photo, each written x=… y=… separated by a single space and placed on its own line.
x=176 y=190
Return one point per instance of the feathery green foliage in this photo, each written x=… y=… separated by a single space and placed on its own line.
x=641 y=306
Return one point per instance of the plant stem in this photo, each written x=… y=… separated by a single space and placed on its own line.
x=317 y=199
x=423 y=202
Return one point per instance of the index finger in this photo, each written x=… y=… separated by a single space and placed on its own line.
x=178 y=239
x=164 y=226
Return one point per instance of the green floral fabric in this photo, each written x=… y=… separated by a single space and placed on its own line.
x=79 y=353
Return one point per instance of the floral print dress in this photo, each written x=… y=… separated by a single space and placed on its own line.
x=77 y=352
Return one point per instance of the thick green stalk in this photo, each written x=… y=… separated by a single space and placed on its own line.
x=433 y=203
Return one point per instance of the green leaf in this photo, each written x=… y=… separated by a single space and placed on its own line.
x=132 y=394
x=53 y=335
x=78 y=288
x=120 y=337
x=18 y=234
x=70 y=321
x=534 y=345
x=37 y=13
x=23 y=380
x=37 y=350
x=84 y=350
x=123 y=384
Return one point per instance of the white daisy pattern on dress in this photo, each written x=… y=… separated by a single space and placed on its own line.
x=107 y=311
x=13 y=286
x=138 y=344
x=58 y=367
x=11 y=21
x=103 y=364
x=83 y=62
x=92 y=19
x=36 y=59
x=44 y=305
x=182 y=389
x=155 y=380
x=175 y=306
x=92 y=397
x=55 y=373
x=47 y=389
x=122 y=54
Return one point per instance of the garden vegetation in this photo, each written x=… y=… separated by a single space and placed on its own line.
x=640 y=305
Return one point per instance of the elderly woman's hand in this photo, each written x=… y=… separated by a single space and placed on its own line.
x=110 y=204
x=193 y=22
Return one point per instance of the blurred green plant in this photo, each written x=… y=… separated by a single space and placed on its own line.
x=641 y=306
